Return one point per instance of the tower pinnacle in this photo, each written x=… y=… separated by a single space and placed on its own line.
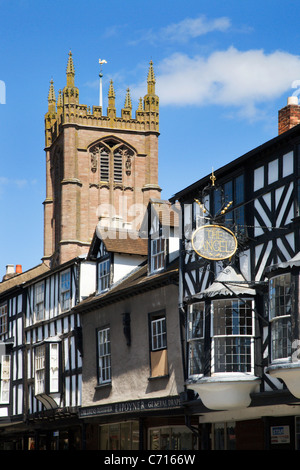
x=151 y=80
x=70 y=71
x=51 y=98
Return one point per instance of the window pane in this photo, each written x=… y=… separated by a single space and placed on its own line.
x=65 y=291
x=104 y=355
x=281 y=338
x=158 y=332
x=233 y=336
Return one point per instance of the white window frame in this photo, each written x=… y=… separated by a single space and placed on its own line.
x=39 y=301
x=65 y=290
x=158 y=333
x=54 y=368
x=278 y=316
x=103 y=275
x=158 y=251
x=224 y=339
x=104 y=356
x=40 y=370
x=3 y=318
x=5 y=379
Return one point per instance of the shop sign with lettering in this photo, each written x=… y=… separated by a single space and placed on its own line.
x=214 y=242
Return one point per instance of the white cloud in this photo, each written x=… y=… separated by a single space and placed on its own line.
x=243 y=79
x=189 y=28
x=193 y=28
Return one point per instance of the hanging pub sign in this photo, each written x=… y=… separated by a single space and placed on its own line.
x=214 y=242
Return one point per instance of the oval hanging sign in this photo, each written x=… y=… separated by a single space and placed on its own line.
x=214 y=242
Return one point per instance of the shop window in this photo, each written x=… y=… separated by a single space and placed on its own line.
x=119 y=436
x=39 y=301
x=280 y=310
x=224 y=437
x=3 y=318
x=104 y=356
x=171 y=438
x=233 y=336
x=195 y=338
x=103 y=275
x=65 y=290
x=158 y=345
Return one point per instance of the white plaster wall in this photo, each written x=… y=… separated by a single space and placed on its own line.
x=124 y=264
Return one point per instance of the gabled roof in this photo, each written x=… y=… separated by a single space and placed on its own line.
x=22 y=278
x=135 y=283
x=119 y=241
x=253 y=154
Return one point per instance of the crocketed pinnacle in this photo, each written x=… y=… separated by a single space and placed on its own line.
x=51 y=98
x=111 y=91
x=140 y=107
x=70 y=71
x=128 y=103
x=151 y=80
x=51 y=94
x=59 y=100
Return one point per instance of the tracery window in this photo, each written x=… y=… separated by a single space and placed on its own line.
x=114 y=158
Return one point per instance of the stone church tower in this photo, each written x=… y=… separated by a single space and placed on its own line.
x=99 y=169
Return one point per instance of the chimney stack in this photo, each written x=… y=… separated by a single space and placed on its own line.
x=289 y=116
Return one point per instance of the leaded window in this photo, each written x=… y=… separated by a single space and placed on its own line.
x=233 y=336
x=195 y=338
x=280 y=310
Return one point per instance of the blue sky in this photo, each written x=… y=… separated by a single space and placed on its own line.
x=223 y=71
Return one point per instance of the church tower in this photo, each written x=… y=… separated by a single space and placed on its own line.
x=100 y=169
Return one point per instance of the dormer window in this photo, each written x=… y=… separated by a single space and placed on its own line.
x=158 y=247
x=103 y=275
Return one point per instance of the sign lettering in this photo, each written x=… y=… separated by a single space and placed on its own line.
x=214 y=242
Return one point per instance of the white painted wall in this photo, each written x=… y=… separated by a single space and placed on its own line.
x=87 y=283
x=124 y=264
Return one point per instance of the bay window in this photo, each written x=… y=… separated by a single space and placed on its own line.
x=233 y=336
x=280 y=310
x=195 y=338
x=46 y=368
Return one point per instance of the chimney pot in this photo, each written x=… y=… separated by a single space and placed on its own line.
x=18 y=269
x=292 y=100
x=10 y=269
